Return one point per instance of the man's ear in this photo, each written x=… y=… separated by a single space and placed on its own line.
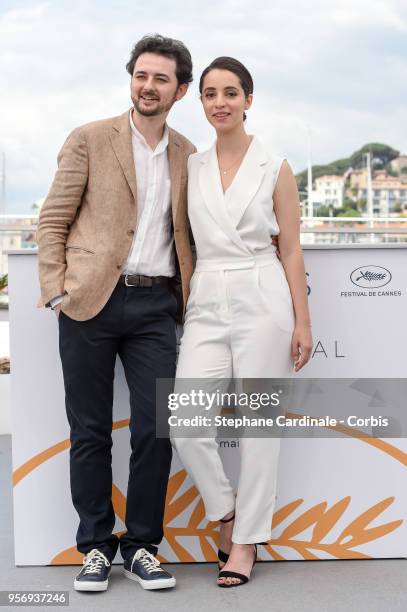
x=181 y=91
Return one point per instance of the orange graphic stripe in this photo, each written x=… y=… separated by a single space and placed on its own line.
x=387 y=448
x=37 y=460
x=30 y=465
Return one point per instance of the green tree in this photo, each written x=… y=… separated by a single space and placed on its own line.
x=381 y=154
x=323 y=211
x=347 y=212
x=348 y=203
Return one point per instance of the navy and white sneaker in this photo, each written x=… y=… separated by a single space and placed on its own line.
x=94 y=576
x=146 y=569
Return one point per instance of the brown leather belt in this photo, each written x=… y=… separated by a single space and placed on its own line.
x=138 y=280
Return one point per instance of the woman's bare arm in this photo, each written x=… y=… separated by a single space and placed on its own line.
x=287 y=209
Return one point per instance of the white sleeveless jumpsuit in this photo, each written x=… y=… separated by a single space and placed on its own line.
x=239 y=323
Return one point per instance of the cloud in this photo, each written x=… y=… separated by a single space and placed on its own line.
x=339 y=67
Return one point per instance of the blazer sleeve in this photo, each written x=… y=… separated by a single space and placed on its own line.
x=57 y=214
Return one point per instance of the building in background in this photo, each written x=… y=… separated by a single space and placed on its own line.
x=329 y=191
x=389 y=192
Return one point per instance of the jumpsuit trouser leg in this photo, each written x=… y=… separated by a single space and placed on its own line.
x=239 y=323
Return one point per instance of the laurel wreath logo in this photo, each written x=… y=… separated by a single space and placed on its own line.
x=371 y=276
x=320 y=517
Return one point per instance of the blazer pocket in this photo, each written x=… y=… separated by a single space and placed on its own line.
x=79 y=248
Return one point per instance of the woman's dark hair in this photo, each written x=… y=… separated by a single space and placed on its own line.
x=169 y=47
x=233 y=65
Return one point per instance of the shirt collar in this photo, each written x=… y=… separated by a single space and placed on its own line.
x=161 y=146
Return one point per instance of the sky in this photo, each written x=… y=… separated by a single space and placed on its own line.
x=337 y=68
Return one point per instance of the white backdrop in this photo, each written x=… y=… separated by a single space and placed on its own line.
x=336 y=498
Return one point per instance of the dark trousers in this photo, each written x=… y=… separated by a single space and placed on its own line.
x=138 y=324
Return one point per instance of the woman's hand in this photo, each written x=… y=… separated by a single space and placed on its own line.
x=301 y=345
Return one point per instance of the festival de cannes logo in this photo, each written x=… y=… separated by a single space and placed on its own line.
x=370 y=276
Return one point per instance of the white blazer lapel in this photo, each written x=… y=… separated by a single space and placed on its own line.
x=246 y=182
x=212 y=192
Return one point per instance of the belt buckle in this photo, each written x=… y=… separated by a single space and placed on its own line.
x=129 y=284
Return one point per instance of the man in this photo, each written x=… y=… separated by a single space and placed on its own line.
x=112 y=236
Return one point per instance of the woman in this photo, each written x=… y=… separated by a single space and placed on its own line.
x=247 y=314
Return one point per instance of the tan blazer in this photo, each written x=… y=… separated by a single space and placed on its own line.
x=87 y=222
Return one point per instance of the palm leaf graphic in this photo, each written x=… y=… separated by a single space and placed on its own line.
x=174 y=508
x=197 y=515
x=280 y=515
x=321 y=517
x=357 y=533
x=305 y=520
x=181 y=552
x=207 y=551
x=331 y=517
x=119 y=503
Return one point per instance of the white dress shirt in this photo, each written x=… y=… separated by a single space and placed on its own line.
x=152 y=252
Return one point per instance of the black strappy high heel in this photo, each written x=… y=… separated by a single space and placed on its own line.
x=222 y=556
x=243 y=579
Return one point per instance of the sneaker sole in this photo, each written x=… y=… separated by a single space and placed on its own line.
x=151 y=585
x=79 y=585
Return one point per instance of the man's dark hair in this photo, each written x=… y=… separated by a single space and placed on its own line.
x=169 y=47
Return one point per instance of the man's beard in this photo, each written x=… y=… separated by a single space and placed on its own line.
x=152 y=112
